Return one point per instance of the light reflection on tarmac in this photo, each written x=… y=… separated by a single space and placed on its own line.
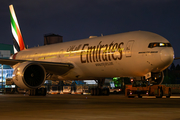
x=86 y=107
x=162 y=97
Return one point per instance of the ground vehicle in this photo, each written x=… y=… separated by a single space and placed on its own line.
x=143 y=88
x=54 y=89
x=66 y=90
x=115 y=90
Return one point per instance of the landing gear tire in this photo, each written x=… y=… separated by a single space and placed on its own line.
x=131 y=96
x=139 y=96
x=99 y=92
x=105 y=91
x=38 y=92
x=161 y=92
x=92 y=92
x=169 y=94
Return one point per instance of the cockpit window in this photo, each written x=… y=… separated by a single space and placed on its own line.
x=152 y=45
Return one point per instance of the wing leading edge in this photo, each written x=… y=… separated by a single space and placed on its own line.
x=50 y=67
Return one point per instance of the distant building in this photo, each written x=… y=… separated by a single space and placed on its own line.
x=52 y=38
x=6 y=51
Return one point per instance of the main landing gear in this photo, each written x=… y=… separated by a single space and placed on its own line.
x=99 y=90
x=38 y=92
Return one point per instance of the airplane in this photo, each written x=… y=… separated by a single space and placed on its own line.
x=131 y=54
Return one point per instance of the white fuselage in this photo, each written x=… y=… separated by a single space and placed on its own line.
x=124 y=55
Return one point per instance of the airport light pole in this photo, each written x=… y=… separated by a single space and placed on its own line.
x=2 y=74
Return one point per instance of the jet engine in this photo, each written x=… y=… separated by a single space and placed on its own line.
x=29 y=75
x=157 y=78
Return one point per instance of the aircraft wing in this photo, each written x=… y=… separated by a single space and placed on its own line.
x=51 y=67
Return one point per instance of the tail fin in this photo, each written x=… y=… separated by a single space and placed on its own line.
x=18 y=42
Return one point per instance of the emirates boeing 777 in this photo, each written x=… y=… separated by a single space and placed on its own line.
x=131 y=54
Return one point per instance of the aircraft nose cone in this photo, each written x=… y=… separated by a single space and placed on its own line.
x=167 y=56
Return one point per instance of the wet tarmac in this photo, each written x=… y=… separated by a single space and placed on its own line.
x=86 y=107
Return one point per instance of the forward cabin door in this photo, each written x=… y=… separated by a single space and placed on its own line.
x=129 y=48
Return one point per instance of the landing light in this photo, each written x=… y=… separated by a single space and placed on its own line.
x=162 y=44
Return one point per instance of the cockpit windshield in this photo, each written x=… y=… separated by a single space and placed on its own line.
x=152 y=45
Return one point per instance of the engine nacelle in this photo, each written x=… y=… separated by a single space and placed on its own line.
x=29 y=75
x=157 y=78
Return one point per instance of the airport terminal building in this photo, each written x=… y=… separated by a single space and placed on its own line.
x=6 y=71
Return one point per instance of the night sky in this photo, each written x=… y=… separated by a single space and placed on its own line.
x=78 y=19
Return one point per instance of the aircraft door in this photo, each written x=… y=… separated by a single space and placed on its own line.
x=129 y=48
x=61 y=53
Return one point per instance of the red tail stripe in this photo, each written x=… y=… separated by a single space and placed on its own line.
x=21 y=43
x=14 y=56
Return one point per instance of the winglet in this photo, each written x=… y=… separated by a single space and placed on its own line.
x=18 y=42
